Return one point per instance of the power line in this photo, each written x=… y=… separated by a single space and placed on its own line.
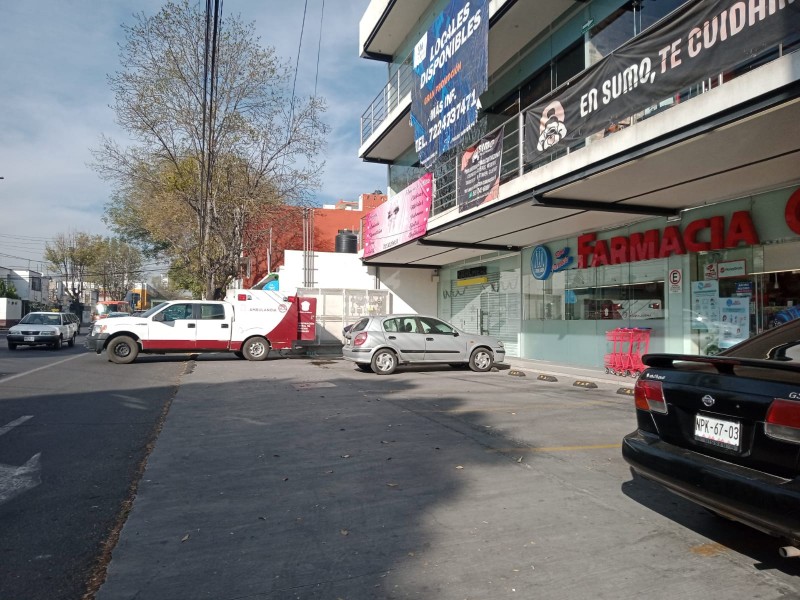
x=297 y=68
x=319 y=46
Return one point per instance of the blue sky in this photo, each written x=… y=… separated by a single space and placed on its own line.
x=54 y=105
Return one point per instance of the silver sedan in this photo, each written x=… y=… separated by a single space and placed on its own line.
x=381 y=343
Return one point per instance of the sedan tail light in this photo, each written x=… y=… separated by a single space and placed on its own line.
x=360 y=339
x=649 y=396
x=783 y=420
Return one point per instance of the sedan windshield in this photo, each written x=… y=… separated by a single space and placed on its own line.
x=40 y=319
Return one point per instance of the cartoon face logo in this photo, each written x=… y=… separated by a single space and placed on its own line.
x=551 y=128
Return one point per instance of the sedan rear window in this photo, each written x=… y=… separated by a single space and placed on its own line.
x=780 y=343
x=360 y=325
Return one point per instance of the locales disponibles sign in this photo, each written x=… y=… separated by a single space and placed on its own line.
x=450 y=73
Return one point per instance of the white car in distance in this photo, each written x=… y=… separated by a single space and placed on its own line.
x=44 y=329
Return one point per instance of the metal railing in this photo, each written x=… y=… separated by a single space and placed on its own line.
x=387 y=100
x=513 y=162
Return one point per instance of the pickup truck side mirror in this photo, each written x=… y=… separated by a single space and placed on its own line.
x=158 y=316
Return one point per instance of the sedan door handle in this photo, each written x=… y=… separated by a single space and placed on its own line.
x=224 y=325
x=191 y=325
x=428 y=339
x=392 y=337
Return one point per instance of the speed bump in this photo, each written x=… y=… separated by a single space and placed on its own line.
x=585 y=384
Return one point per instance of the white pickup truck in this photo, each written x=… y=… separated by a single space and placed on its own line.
x=248 y=323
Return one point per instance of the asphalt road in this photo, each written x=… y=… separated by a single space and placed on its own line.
x=74 y=430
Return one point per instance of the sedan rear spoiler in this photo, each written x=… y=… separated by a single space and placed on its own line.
x=723 y=364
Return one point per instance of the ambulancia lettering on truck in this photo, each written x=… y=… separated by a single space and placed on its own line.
x=248 y=323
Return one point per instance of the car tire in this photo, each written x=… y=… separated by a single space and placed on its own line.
x=71 y=341
x=256 y=348
x=367 y=368
x=122 y=350
x=12 y=346
x=481 y=360
x=57 y=344
x=384 y=362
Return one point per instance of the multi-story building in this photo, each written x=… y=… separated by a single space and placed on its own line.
x=590 y=165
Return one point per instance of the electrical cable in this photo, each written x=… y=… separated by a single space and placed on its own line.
x=319 y=46
x=296 y=69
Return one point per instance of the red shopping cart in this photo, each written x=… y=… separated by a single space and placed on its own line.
x=626 y=345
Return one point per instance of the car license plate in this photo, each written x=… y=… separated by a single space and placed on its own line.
x=726 y=434
x=28 y=338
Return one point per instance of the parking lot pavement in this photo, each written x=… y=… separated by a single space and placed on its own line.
x=299 y=478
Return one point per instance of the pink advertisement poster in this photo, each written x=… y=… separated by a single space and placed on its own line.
x=402 y=218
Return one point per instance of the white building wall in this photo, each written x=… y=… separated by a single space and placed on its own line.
x=346 y=290
x=412 y=290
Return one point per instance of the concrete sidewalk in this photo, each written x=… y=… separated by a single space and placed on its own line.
x=308 y=479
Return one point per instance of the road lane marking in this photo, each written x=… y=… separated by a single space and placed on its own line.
x=9 y=426
x=10 y=378
x=17 y=480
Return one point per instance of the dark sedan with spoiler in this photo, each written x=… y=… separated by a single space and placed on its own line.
x=724 y=431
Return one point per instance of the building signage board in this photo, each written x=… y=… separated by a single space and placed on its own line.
x=450 y=66
x=732 y=268
x=735 y=320
x=402 y=218
x=541 y=263
x=701 y=235
x=675 y=281
x=479 y=172
x=705 y=301
x=700 y=39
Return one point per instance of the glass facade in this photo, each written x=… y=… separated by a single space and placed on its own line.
x=688 y=302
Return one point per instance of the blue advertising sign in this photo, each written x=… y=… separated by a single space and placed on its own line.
x=541 y=263
x=450 y=73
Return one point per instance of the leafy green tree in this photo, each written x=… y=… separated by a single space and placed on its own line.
x=8 y=290
x=218 y=135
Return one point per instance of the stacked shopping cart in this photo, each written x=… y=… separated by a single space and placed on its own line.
x=626 y=346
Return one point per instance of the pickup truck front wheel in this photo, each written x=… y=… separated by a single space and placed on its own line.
x=122 y=350
x=256 y=348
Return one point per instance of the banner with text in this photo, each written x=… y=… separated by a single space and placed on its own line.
x=479 y=172
x=450 y=73
x=701 y=39
x=402 y=218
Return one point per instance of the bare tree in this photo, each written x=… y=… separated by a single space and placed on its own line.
x=71 y=256
x=217 y=135
x=116 y=266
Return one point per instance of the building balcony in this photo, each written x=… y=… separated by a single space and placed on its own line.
x=725 y=137
x=386 y=31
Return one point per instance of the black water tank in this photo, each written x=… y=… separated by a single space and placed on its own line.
x=347 y=241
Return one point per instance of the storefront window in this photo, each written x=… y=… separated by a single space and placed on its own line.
x=623 y=302
x=630 y=292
